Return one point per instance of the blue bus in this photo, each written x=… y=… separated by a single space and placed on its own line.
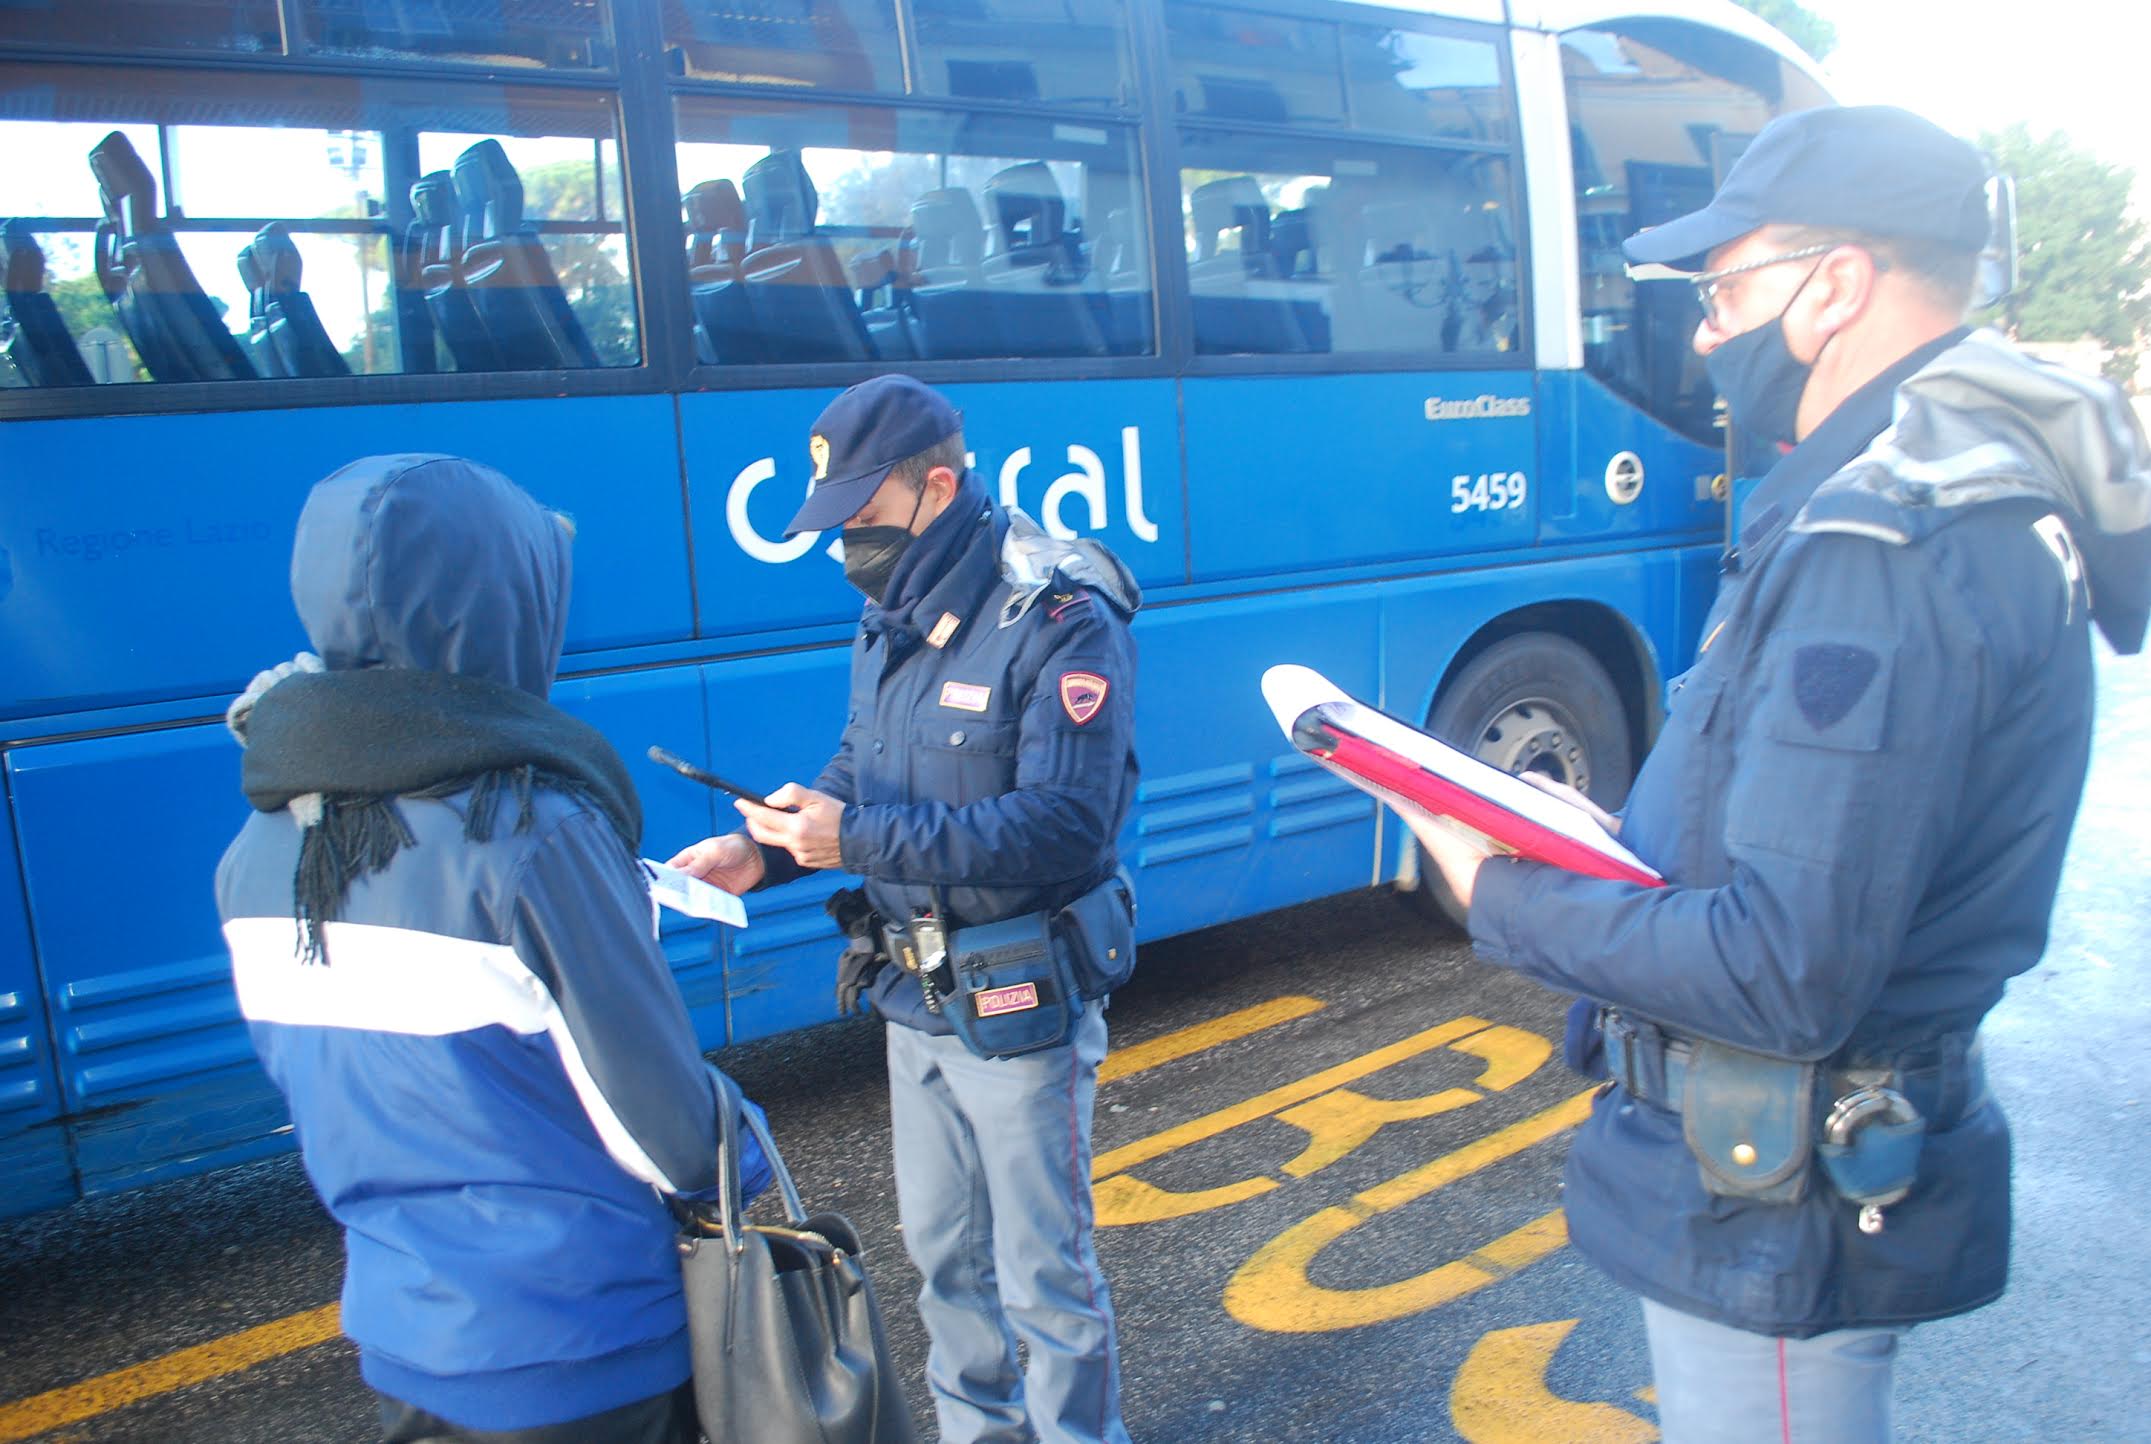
x=1312 y=310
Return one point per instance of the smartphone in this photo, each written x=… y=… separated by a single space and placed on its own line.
x=688 y=770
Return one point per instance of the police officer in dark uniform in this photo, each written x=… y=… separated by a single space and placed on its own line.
x=986 y=767
x=1860 y=800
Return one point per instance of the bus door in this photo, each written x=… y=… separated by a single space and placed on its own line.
x=33 y=1146
x=1656 y=110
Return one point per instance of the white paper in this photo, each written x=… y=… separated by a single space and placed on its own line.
x=1291 y=691
x=669 y=887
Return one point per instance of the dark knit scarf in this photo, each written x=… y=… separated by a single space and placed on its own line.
x=338 y=749
x=928 y=559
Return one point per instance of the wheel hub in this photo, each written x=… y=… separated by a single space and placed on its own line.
x=1535 y=735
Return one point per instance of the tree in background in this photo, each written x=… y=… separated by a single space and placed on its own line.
x=2084 y=259
x=1809 y=31
x=592 y=268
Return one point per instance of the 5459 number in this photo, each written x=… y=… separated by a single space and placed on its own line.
x=1488 y=491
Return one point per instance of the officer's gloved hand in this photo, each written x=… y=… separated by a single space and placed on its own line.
x=856 y=968
x=1583 y=1046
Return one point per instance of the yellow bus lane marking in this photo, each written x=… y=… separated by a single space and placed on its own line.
x=1272 y=1291
x=233 y=1353
x=1500 y=1395
x=178 y=1370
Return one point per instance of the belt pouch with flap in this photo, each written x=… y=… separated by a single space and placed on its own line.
x=1750 y=1122
x=1013 y=993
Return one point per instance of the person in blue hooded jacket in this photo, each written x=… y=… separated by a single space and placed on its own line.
x=986 y=765
x=1859 y=803
x=443 y=945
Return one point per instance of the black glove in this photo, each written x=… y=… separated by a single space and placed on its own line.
x=856 y=968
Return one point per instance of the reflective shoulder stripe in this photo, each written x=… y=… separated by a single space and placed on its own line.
x=420 y=984
x=383 y=980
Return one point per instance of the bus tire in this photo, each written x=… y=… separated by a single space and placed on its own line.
x=1534 y=702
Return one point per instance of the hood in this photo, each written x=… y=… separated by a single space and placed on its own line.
x=1030 y=556
x=433 y=563
x=1983 y=422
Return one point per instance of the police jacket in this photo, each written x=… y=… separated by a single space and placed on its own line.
x=988 y=755
x=492 y=1077
x=1860 y=801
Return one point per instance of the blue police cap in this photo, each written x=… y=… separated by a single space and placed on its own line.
x=1873 y=169
x=861 y=436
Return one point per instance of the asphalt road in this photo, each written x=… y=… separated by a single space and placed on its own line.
x=1331 y=1146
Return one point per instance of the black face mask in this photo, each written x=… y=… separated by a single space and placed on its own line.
x=872 y=552
x=1762 y=381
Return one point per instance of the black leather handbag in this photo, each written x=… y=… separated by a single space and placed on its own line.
x=787 y=1339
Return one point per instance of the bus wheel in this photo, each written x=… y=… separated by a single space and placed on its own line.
x=1534 y=702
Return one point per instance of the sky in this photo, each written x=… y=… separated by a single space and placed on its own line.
x=2078 y=66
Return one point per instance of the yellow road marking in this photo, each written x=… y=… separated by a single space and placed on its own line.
x=1157 y=1145
x=179 y=1370
x=1500 y=1395
x=1273 y=1291
x=1124 y=1061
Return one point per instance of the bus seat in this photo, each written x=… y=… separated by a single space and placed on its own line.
x=506 y=269
x=254 y=275
x=1238 y=305
x=1292 y=244
x=296 y=337
x=436 y=243
x=946 y=288
x=36 y=338
x=716 y=243
x=797 y=290
x=175 y=329
x=1035 y=268
x=875 y=276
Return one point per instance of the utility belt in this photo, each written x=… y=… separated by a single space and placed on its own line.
x=1019 y=985
x=1756 y=1123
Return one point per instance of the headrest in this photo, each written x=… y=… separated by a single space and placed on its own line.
x=947 y=224
x=1233 y=202
x=779 y=198
x=24 y=258
x=433 y=199
x=252 y=273
x=124 y=183
x=1026 y=205
x=490 y=191
x=714 y=206
x=278 y=257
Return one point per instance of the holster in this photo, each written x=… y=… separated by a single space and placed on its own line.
x=1749 y=1119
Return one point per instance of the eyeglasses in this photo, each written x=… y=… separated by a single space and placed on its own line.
x=1706 y=283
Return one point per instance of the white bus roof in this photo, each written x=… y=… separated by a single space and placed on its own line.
x=1559 y=15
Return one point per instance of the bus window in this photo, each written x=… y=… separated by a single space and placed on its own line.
x=1237 y=65
x=1656 y=110
x=1065 y=54
x=828 y=44
x=1317 y=245
x=197 y=227
x=245 y=27
x=1411 y=82
x=502 y=32
x=854 y=234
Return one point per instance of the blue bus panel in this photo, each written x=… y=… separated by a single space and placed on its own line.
x=34 y=1154
x=183 y=547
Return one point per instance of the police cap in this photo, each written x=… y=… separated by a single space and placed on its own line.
x=861 y=436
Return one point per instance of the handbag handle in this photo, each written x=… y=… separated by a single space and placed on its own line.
x=731 y=1207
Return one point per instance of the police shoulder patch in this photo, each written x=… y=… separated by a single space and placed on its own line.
x=1082 y=694
x=1829 y=678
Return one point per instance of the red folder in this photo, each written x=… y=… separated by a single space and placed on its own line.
x=1415 y=772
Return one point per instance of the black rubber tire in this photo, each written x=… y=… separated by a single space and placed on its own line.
x=1534 y=702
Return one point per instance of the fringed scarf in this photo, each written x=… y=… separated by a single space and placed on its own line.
x=339 y=748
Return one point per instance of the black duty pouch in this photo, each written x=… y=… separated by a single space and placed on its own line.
x=1013 y=992
x=1097 y=934
x=1749 y=1119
